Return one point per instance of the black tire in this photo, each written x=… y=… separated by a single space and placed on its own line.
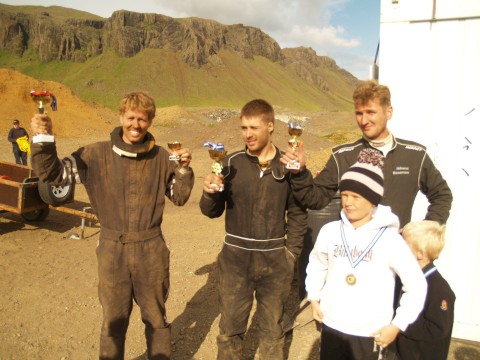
x=55 y=195
x=36 y=215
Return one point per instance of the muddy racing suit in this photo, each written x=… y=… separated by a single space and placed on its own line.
x=126 y=185
x=259 y=251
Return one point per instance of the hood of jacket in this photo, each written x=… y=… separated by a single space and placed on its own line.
x=382 y=217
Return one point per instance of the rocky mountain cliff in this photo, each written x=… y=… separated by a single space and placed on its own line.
x=128 y=33
x=56 y=36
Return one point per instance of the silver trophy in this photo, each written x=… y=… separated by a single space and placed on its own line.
x=174 y=146
x=295 y=129
x=41 y=98
x=217 y=153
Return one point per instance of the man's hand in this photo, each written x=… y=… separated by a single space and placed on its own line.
x=185 y=155
x=41 y=124
x=213 y=183
x=386 y=335
x=317 y=313
x=298 y=154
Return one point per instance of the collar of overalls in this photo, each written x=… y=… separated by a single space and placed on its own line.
x=130 y=150
x=276 y=167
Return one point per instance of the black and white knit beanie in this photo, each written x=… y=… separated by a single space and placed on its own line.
x=365 y=177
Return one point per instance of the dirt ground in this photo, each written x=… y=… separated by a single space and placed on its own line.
x=49 y=307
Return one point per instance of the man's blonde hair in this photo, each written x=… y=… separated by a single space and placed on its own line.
x=426 y=235
x=140 y=101
x=371 y=90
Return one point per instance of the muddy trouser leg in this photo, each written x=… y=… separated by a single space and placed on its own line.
x=150 y=286
x=23 y=155
x=235 y=300
x=115 y=294
x=271 y=293
x=16 y=154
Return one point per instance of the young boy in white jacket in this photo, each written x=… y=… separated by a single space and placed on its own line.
x=351 y=273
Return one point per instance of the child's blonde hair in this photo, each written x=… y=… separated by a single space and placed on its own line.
x=426 y=235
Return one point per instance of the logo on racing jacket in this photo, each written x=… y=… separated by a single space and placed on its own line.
x=345 y=149
x=401 y=170
x=414 y=147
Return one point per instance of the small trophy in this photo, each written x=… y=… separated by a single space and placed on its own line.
x=216 y=152
x=174 y=145
x=295 y=129
x=41 y=98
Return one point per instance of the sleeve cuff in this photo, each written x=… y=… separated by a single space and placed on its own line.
x=402 y=325
x=302 y=174
x=43 y=138
x=183 y=170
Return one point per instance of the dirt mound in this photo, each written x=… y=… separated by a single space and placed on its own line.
x=74 y=118
x=172 y=116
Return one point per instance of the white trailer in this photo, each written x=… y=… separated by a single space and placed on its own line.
x=430 y=59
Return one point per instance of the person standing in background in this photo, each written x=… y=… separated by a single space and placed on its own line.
x=15 y=133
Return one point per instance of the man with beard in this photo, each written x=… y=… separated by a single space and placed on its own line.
x=265 y=227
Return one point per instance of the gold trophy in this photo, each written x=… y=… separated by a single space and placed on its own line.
x=41 y=98
x=174 y=146
x=217 y=153
x=295 y=129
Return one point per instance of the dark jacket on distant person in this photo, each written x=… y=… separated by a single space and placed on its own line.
x=14 y=134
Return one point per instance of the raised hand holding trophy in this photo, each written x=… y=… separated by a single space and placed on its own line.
x=295 y=129
x=217 y=153
x=174 y=146
x=41 y=98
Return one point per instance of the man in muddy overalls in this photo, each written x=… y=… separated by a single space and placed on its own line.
x=260 y=246
x=127 y=180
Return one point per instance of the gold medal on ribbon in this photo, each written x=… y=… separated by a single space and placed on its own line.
x=351 y=279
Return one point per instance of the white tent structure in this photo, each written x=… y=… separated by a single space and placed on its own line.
x=430 y=59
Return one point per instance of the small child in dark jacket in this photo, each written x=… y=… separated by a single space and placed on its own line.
x=428 y=338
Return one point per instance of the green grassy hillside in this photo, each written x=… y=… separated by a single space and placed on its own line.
x=56 y=12
x=230 y=82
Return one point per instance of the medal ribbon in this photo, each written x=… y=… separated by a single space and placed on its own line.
x=367 y=249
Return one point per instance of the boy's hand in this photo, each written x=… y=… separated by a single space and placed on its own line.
x=386 y=335
x=317 y=313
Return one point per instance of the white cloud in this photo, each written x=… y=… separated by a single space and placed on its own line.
x=270 y=15
x=326 y=37
x=291 y=23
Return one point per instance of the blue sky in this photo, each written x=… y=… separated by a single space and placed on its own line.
x=345 y=30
